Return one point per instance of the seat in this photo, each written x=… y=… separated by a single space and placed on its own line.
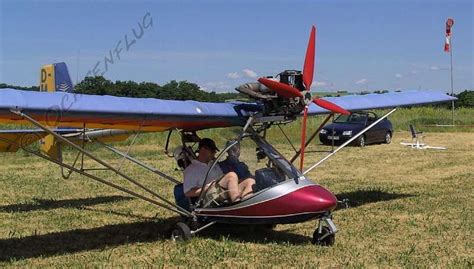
x=417 y=140
x=266 y=177
x=183 y=156
x=416 y=137
x=181 y=199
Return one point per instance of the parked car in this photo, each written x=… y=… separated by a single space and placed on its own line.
x=345 y=127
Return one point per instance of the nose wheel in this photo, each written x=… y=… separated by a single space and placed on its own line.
x=325 y=234
x=323 y=238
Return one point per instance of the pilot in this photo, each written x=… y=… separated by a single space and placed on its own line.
x=233 y=164
x=195 y=174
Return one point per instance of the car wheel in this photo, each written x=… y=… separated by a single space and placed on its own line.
x=361 y=141
x=388 y=138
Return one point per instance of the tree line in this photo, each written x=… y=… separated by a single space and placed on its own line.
x=173 y=90
x=179 y=90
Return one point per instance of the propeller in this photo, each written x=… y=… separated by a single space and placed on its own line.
x=288 y=91
x=308 y=72
x=282 y=89
x=308 y=68
x=330 y=106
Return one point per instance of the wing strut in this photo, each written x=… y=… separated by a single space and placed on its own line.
x=140 y=163
x=167 y=204
x=348 y=142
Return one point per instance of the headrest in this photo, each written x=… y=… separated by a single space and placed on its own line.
x=179 y=153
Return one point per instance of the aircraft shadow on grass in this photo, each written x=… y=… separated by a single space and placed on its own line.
x=107 y=236
x=82 y=204
x=255 y=234
x=49 y=204
x=149 y=230
x=78 y=240
x=366 y=196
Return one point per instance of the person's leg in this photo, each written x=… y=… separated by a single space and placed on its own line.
x=231 y=182
x=245 y=187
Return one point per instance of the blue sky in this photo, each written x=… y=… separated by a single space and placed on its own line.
x=221 y=44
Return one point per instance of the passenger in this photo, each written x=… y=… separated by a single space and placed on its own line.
x=195 y=174
x=233 y=164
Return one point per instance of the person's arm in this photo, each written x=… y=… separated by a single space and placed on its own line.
x=194 y=192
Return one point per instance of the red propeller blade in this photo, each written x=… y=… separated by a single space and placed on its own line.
x=303 y=137
x=330 y=106
x=308 y=69
x=281 y=88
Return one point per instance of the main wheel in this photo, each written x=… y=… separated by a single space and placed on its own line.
x=268 y=226
x=327 y=240
x=181 y=232
x=360 y=141
x=388 y=138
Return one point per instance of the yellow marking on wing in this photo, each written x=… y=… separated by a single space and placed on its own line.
x=80 y=125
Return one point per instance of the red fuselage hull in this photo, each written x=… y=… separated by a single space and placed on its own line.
x=288 y=202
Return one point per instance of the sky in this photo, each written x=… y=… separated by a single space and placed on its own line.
x=360 y=45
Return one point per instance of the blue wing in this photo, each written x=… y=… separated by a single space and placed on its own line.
x=148 y=114
x=386 y=100
x=144 y=114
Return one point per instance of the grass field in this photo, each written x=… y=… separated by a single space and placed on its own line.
x=409 y=208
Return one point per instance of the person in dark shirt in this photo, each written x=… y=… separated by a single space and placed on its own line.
x=233 y=164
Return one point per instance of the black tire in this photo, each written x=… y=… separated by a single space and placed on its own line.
x=388 y=138
x=360 y=141
x=326 y=241
x=181 y=232
x=261 y=227
x=268 y=227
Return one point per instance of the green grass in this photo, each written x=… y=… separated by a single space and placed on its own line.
x=409 y=208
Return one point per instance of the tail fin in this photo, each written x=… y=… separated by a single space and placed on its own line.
x=55 y=77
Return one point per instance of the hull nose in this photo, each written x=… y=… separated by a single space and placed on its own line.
x=323 y=199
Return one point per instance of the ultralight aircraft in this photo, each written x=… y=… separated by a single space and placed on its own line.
x=284 y=193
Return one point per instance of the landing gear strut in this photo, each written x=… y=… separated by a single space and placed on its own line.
x=324 y=235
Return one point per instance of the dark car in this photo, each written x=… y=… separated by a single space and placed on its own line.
x=345 y=127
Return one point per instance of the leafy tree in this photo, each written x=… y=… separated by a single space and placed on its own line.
x=173 y=90
x=465 y=99
x=94 y=85
x=7 y=86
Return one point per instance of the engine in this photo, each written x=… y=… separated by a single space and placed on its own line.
x=273 y=103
